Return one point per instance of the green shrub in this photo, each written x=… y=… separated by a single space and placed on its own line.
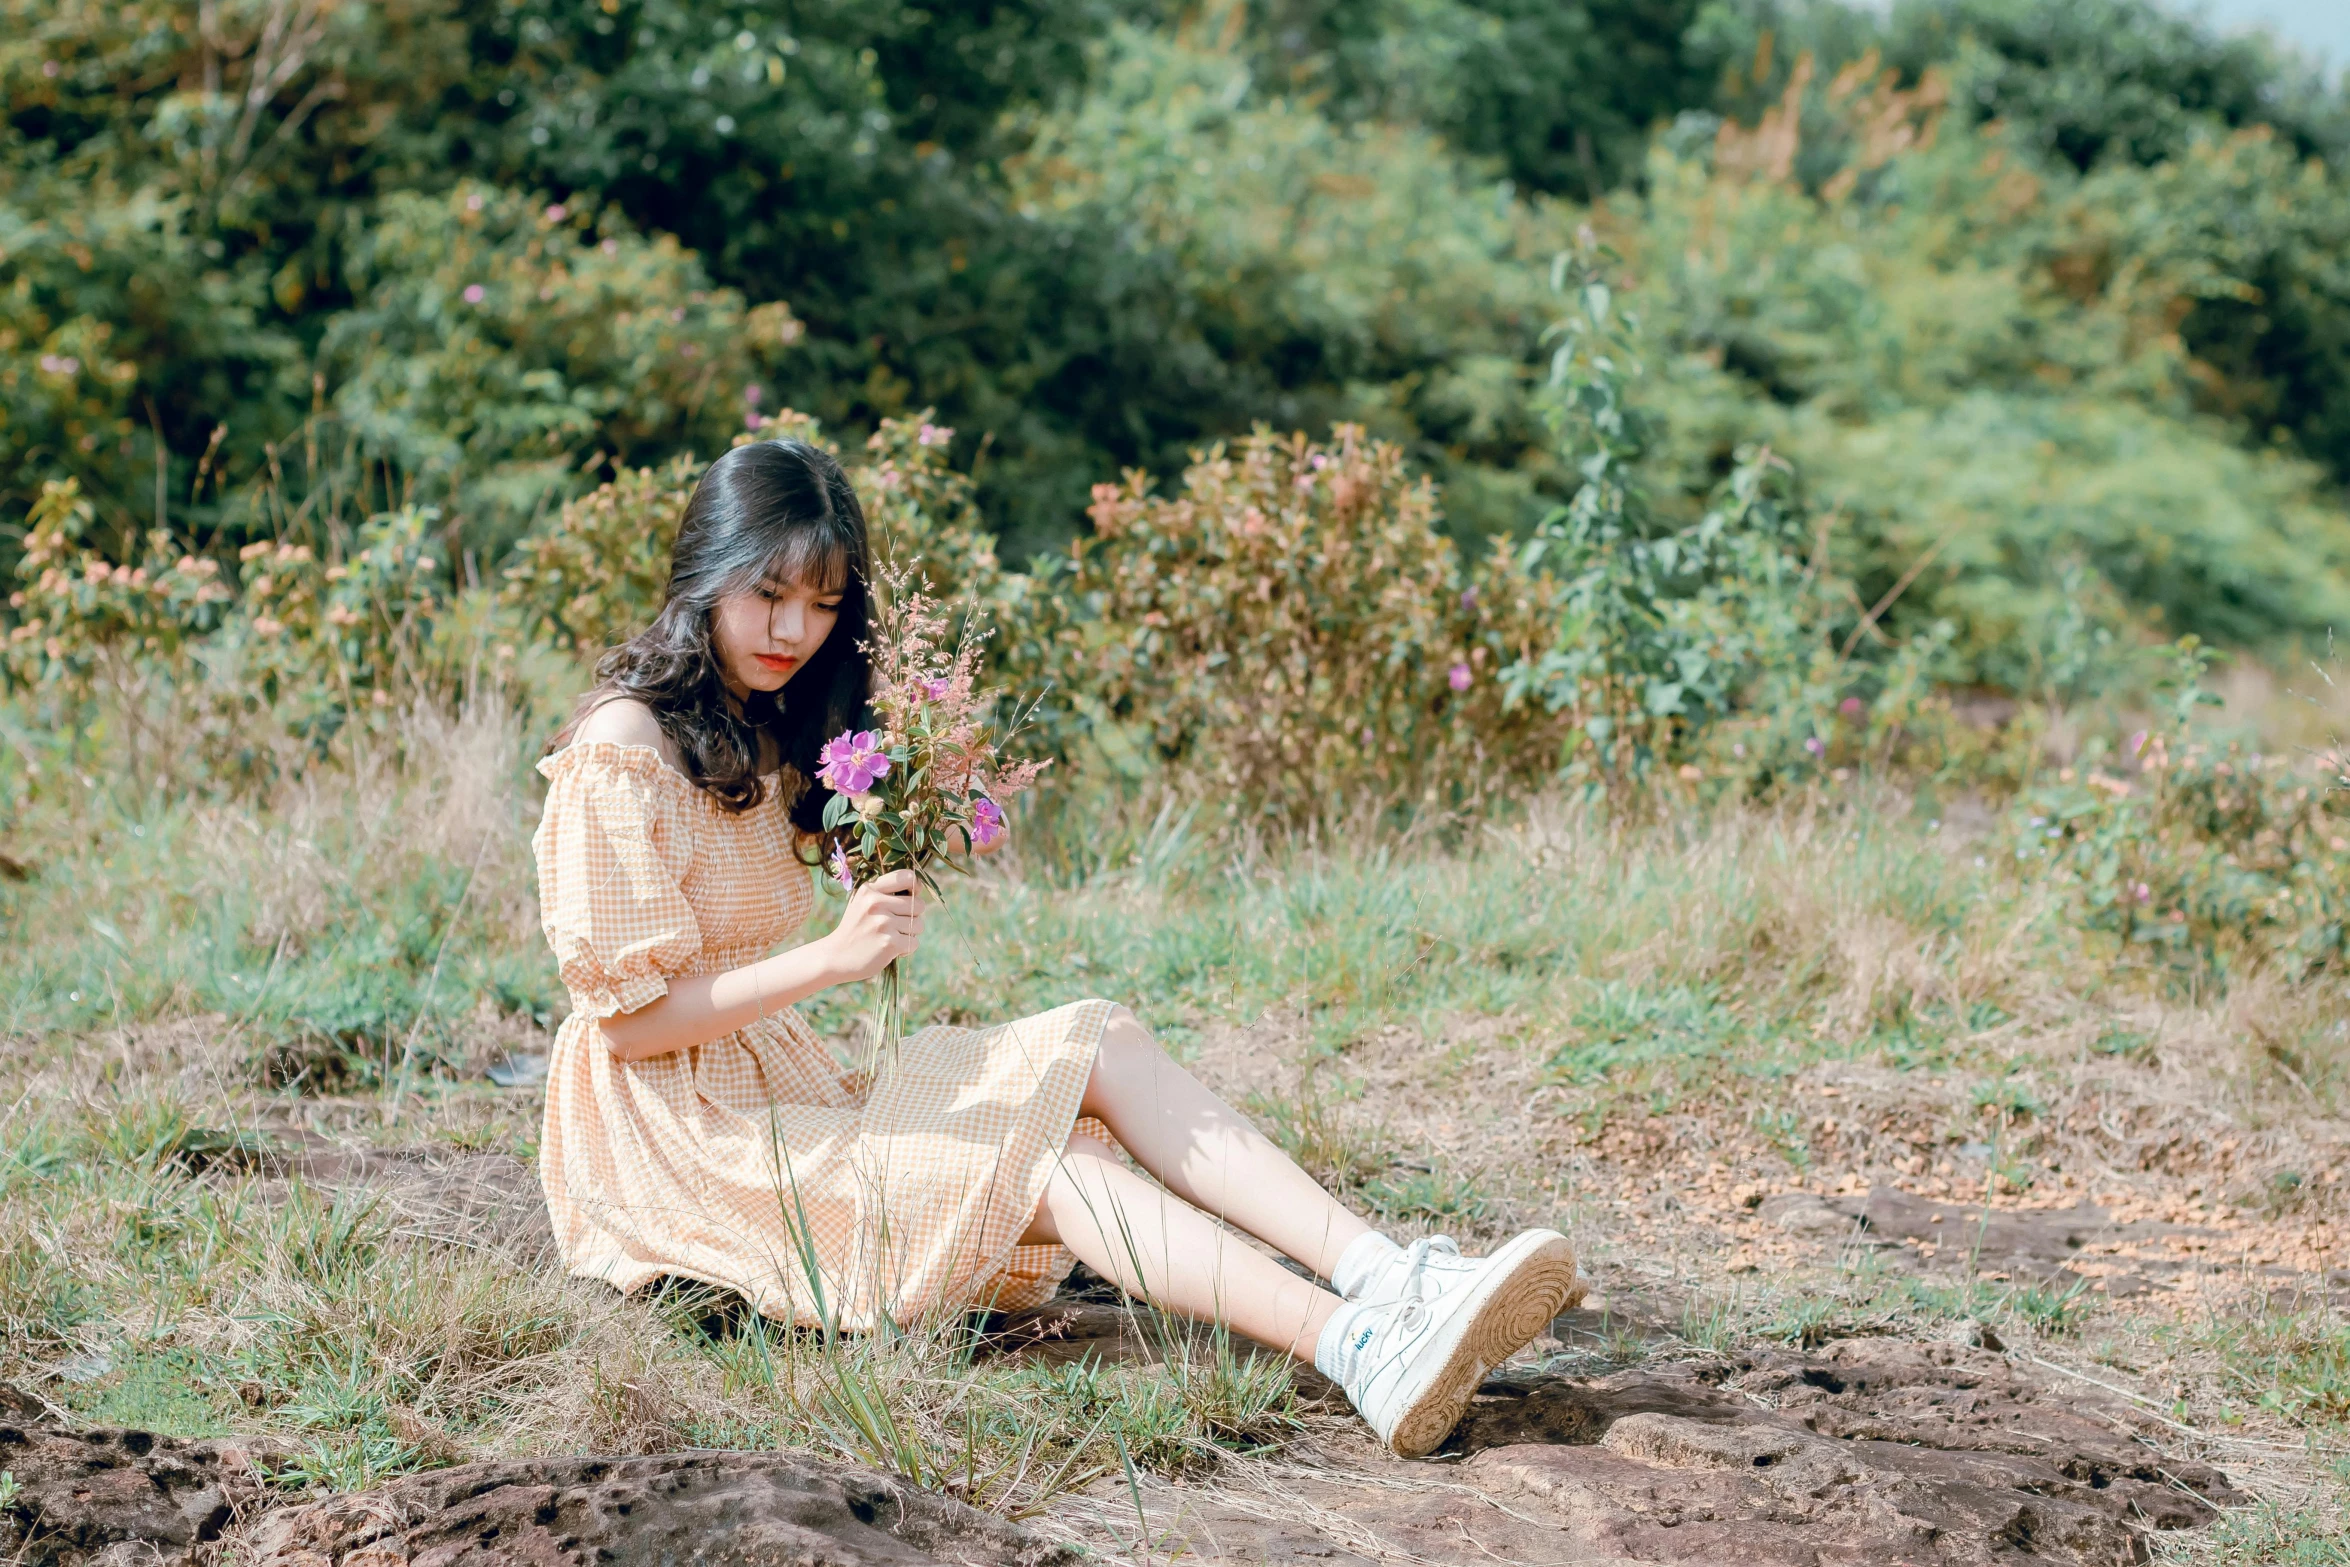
x=498 y=340
x=2205 y=857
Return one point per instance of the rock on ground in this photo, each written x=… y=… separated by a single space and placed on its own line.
x=113 y=1498
x=118 y=1496
x=1872 y=1452
x=726 y=1509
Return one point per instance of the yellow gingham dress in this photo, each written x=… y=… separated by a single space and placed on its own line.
x=755 y=1162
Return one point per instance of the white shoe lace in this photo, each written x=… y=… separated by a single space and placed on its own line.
x=1415 y=1287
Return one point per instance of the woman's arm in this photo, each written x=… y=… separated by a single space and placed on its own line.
x=883 y=923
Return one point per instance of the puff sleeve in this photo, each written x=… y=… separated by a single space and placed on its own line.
x=613 y=848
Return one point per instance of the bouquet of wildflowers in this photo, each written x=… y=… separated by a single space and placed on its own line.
x=927 y=788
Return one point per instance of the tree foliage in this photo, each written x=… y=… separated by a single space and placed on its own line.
x=2046 y=305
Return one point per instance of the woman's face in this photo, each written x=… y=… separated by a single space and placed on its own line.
x=765 y=636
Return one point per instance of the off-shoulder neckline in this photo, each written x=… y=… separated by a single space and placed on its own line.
x=630 y=752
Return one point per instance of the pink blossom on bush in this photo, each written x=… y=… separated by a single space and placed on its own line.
x=1851 y=707
x=1458 y=677
x=987 y=822
x=473 y=293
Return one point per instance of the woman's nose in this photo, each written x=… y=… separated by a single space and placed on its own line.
x=787 y=622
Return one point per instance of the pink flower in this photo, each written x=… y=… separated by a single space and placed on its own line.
x=2144 y=893
x=850 y=763
x=473 y=293
x=1458 y=677
x=556 y=213
x=1851 y=707
x=987 y=822
x=751 y=395
x=2138 y=742
x=1816 y=746
x=933 y=435
x=934 y=688
x=473 y=202
x=840 y=869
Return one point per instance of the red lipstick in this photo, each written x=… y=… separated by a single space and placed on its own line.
x=778 y=662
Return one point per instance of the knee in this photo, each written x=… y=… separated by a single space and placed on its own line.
x=1126 y=1054
x=1125 y=1039
x=1081 y=1146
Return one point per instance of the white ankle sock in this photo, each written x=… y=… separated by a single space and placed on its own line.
x=1364 y=1256
x=1341 y=1344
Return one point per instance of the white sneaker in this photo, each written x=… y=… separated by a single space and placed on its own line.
x=1412 y=1350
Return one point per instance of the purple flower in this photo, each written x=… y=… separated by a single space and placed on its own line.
x=1468 y=598
x=987 y=822
x=840 y=869
x=849 y=763
x=752 y=394
x=1816 y=746
x=934 y=688
x=1850 y=707
x=1458 y=677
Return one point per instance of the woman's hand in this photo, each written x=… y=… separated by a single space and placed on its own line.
x=883 y=924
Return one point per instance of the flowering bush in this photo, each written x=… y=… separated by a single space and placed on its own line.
x=1291 y=630
x=292 y=643
x=2205 y=857
x=595 y=574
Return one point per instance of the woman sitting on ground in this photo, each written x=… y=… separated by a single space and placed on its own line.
x=696 y=1127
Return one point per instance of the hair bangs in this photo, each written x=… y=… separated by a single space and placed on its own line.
x=822 y=558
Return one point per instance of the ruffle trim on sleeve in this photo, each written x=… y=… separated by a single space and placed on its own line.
x=601 y=1001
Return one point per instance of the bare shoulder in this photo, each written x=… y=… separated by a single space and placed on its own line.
x=624 y=720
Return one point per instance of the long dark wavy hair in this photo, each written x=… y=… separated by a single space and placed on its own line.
x=772 y=510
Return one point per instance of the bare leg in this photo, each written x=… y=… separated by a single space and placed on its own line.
x=1161 y=1248
x=1207 y=1153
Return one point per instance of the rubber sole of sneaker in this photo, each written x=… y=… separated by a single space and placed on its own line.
x=1528 y=1286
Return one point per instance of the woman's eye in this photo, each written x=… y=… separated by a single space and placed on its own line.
x=829 y=606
